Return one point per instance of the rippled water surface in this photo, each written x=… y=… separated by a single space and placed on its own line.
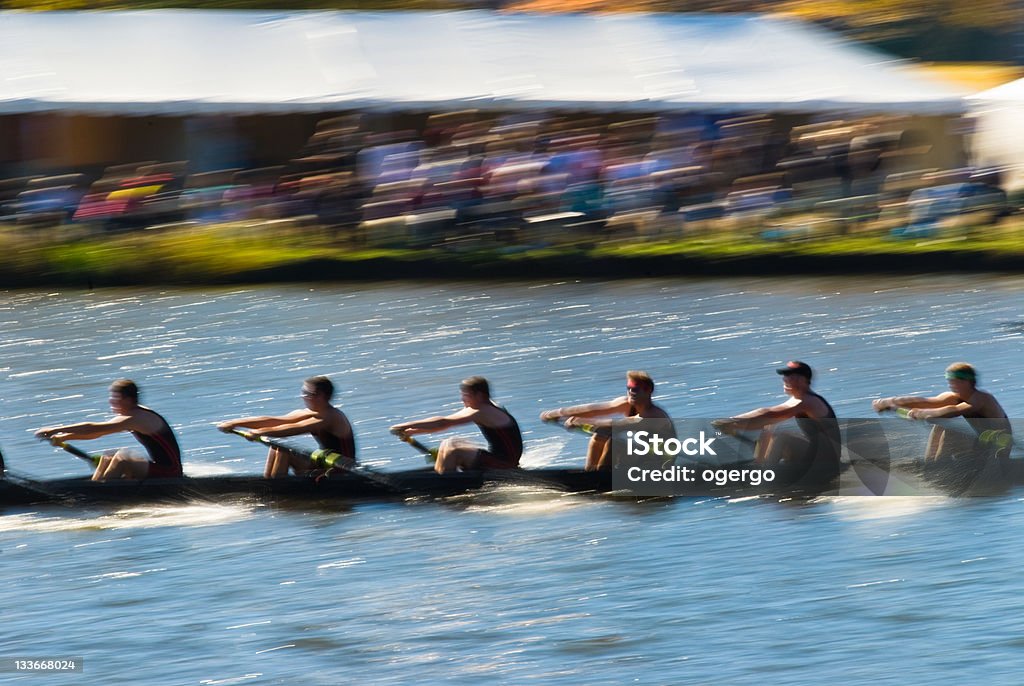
x=508 y=585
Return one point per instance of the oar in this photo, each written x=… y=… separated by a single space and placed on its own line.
x=739 y=435
x=38 y=492
x=77 y=452
x=429 y=453
x=36 y=489
x=20 y=481
x=582 y=428
x=326 y=459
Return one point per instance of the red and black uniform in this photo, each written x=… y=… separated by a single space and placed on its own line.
x=163 y=450
x=337 y=444
x=504 y=445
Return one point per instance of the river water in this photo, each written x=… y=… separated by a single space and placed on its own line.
x=509 y=585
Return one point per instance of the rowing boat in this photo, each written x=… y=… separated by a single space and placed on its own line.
x=353 y=485
x=342 y=485
x=960 y=477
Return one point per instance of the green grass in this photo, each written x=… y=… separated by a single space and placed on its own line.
x=252 y=252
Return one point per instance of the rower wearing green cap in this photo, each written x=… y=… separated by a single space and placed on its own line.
x=963 y=399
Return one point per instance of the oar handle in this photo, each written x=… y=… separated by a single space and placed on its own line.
x=325 y=459
x=77 y=452
x=429 y=453
x=280 y=445
x=584 y=428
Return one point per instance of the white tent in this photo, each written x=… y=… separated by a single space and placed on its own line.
x=188 y=62
x=998 y=140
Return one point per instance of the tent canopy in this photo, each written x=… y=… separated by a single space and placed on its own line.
x=1012 y=92
x=239 y=62
x=999 y=137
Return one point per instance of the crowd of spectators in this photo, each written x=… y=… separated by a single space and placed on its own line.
x=531 y=180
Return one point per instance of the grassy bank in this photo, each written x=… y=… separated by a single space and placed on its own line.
x=266 y=253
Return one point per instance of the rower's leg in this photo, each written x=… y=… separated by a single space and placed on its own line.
x=277 y=464
x=765 y=446
x=604 y=460
x=126 y=465
x=934 y=446
x=122 y=465
x=598 y=449
x=102 y=467
x=453 y=454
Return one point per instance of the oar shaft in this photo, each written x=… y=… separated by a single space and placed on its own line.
x=431 y=452
x=77 y=452
x=326 y=459
x=583 y=428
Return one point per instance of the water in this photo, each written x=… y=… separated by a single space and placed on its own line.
x=509 y=585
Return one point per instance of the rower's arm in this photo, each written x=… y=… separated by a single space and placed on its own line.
x=283 y=429
x=943 y=412
x=88 y=430
x=913 y=401
x=435 y=424
x=761 y=417
x=604 y=422
x=617 y=406
x=260 y=422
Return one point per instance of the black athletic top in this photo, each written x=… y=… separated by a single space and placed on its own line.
x=505 y=443
x=818 y=428
x=162 y=447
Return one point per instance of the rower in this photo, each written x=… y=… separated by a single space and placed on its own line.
x=325 y=422
x=817 y=446
x=148 y=428
x=636 y=404
x=963 y=399
x=504 y=440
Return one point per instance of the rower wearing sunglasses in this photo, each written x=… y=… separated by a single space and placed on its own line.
x=325 y=422
x=600 y=417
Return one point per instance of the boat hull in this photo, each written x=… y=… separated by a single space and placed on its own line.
x=343 y=486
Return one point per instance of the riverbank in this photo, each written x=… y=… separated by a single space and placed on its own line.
x=281 y=252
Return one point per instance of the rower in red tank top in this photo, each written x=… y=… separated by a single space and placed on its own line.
x=325 y=422
x=504 y=440
x=148 y=428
